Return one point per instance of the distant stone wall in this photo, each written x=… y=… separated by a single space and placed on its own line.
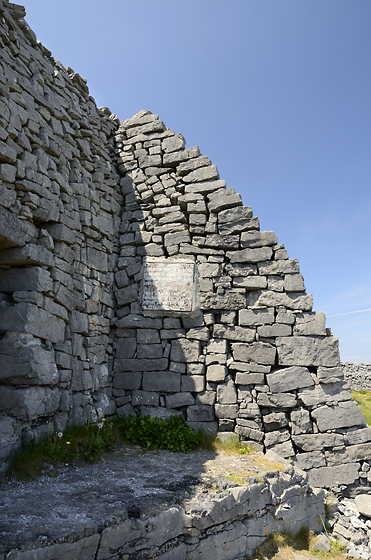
x=358 y=375
x=133 y=281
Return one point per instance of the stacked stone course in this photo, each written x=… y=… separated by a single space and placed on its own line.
x=59 y=220
x=86 y=203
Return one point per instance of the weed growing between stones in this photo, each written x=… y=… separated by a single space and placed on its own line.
x=283 y=546
x=77 y=442
x=172 y=434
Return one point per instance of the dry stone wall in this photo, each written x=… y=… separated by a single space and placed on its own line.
x=133 y=281
x=59 y=219
x=358 y=375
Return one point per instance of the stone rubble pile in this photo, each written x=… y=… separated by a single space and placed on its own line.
x=358 y=375
x=351 y=524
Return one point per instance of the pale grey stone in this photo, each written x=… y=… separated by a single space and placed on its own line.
x=250 y=255
x=204 y=188
x=217 y=346
x=309 y=324
x=226 y=393
x=279 y=400
x=344 y=415
x=192 y=164
x=275 y=420
x=255 y=317
x=249 y=378
x=254 y=239
x=223 y=199
x=289 y=379
x=226 y=410
x=300 y=422
x=193 y=383
x=216 y=373
x=235 y=214
x=330 y=375
x=275 y=437
x=314 y=442
x=258 y=352
x=363 y=503
x=250 y=282
x=183 y=350
x=202 y=174
x=307 y=351
x=140 y=398
x=272 y=331
x=242 y=334
x=277 y=299
x=328 y=477
x=180 y=399
x=27 y=318
x=306 y=461
x=29 y=403
x=229 y=300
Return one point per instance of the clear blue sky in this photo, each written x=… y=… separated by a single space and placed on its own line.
x=276 y=92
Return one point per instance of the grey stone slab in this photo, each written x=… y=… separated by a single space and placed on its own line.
x=148 y=336
x=226 y=411
x=275 y=420
x=306 y=461
x=236 y=227
x=278 y=400
x=330 y=375
x=255 y=317
x=249 y=378
x=128 y=380
x=207 y=173
x=358 y=436
x=301 y=422
x=174 y=158
x=307 y=351
x=141 y=364
x=272 y=331
x=140 y=398
x=29 y=403
x=254 y=239
x=222 y=241
x=184 y=350
x=226 y=393
x=290 y=301
x=250 y=282
x=314 y=442
x=350 y=454
x=26 y=256
x=204 y=188
x=250 y=255
x=363 y=503
x=138 y=321
x=235 y=214
x=200 y=413
x=257 y=352
x=28 y=318
x=31 y=279
x=179 y=400
x=223 y=199
x=328 y=477
x=151 y=350
x=192 y=164
x=241 y=334
x=289 y=379
x=230 y=300
x=162 y=381
x=193 y=383
x=216 y=373
x=310 y=324
x=344 y=415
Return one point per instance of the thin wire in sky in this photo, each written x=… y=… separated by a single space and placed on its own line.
x=349 y=313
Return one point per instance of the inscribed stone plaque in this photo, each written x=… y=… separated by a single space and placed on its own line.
x=168 y=286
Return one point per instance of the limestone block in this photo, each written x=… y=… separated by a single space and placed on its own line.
x=149 y=351
x=306 y=461
x=29 y=403
x=289 y=379
x=250 y=255
x=310 y=324
x=250 y=282
x=126 y=347
x=229 y=300
x=344 y=415
x=330 y=375
x=202 y=174
x=284 y=449
x=204 y=188
x=314 y=442
x=193 y=383
x=216 y=373
x=223 y=199
x=134 y=321
x=216 y=346
x=300 y=422
x=277 y=299
x=275 y=420
x=206 y=397
x=279 y=400
x=174 y=158
x=28 y=255
x=363 y=503
x=272 y=331
x=242 y=334
x=184 y=350
x=255 y=317
x=140 y=398
x=257 y=352
x=235 y=214
x=25 y=361
x=162 y=381
x=275 y=437
x=307 y=351
x=286 y=317
x=126 y=295
x=222 y=241
x=358 y=436
x=254 y=239
x=226 y=393
x=280 y=267
x=128 y=380
x=328 y=477
x=351 y=454
x=192 y=164
x=30 y=279
x=28 y=318
x=173 y=143
x=180 y=399
x=126 y=364
x=200 y=413
x=249 y=378
x=250 y=433
x=226 y=410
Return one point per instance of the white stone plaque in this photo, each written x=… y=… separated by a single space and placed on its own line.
x=168 y=286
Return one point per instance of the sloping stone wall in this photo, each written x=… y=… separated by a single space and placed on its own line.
x=90 y=209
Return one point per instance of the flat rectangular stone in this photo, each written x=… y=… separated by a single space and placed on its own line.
x=313 y=442
x=343 y=415
x=127 y=380
x=162 y=381
x=307 y=351
x=254 y=239
x=242 y=334
x=255 y=317
x=26 y=256
x=328 y=477
x=289 y=379
x=250 y=255
x=204 y=188
x=257 y=352
x=25 y=279
x=28 y=318
x=141 y=365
